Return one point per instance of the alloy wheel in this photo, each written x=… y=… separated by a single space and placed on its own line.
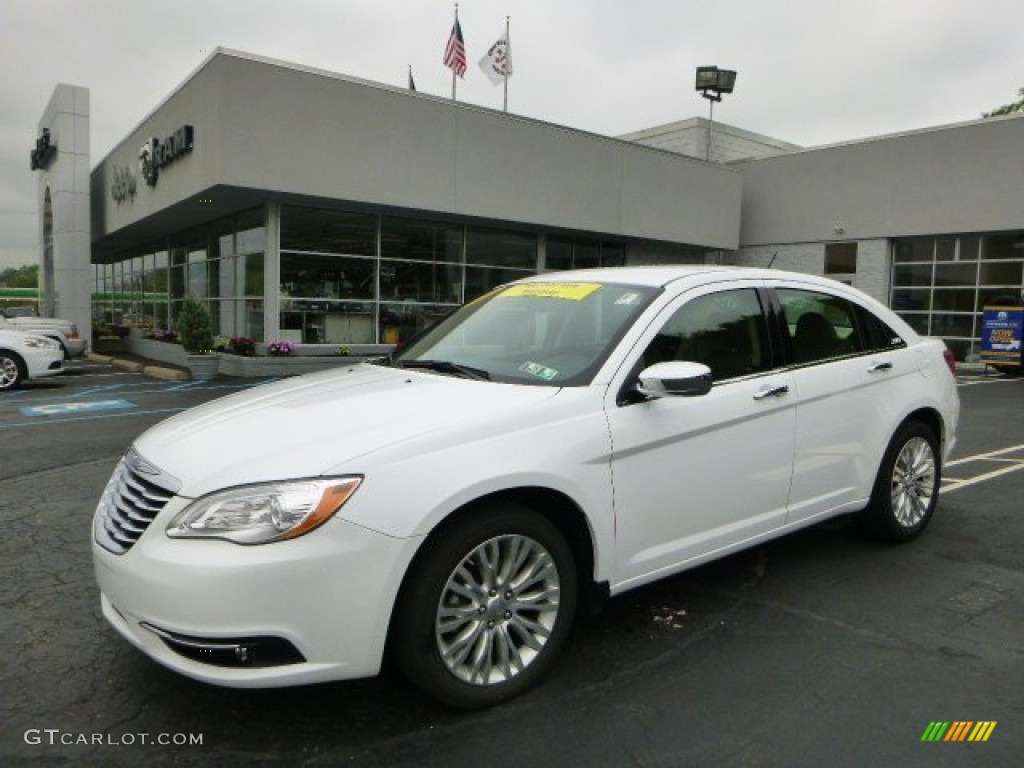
x=497 y=610
x=913 y=482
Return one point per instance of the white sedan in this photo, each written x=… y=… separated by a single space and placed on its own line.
x=555 y=442
x=27 y=356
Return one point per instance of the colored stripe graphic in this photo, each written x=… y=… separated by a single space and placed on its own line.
x=958 y=730
x=982 y=731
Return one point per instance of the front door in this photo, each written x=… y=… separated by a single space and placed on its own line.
x=695 y=475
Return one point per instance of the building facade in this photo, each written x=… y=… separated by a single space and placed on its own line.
x=308 y=206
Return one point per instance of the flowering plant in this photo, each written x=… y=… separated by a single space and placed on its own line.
x=280 y=348
x=243 y=345
x=166 y=335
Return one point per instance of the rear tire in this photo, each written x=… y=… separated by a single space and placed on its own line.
x=12 y=371
x=906 y=490
x=487 y=608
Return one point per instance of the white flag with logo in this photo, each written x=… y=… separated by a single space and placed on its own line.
x=497 y=62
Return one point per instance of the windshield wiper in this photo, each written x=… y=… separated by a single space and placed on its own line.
x=447 y=366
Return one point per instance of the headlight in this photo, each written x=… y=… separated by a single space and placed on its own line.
x=39 y=342
x=259 y=514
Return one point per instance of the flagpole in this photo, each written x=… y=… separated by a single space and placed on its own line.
x=508 y=46
x=453 y=68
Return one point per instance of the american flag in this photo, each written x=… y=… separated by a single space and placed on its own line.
x=455 y=53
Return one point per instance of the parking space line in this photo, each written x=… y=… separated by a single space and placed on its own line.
x=119 y=415
x=986 y=455
x=956 y=486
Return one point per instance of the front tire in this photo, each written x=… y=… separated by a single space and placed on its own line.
x=487 y=608
x=906 y=490
x=11 y=371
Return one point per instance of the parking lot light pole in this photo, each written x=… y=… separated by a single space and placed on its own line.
x=712 y=82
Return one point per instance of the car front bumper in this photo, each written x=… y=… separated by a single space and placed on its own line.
x=42 y=362
x=328 y=595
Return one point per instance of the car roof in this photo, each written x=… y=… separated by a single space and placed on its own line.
x=660 y=276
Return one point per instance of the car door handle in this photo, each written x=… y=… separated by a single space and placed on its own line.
x=878 y=367
x=778 y=391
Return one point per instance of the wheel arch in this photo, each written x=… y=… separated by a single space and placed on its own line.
x=558 y=508
x=932 y=419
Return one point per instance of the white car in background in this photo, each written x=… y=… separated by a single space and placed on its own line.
x=555 y=442
x=64 y=332
x=27 y=356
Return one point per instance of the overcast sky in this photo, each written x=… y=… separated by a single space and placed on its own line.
x=811 y=72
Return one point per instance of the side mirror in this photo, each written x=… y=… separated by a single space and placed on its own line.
x=675 y=379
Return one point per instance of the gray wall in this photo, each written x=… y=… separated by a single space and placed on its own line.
x=271 y=126
x=67 y=180
x=962 y=178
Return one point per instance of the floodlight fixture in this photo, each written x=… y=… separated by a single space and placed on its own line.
x=712 y=82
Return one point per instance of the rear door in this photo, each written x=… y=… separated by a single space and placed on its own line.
x=850 y=373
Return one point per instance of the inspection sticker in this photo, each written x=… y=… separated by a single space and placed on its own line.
x=60 y=409
x=570 y=291
x=538 y=370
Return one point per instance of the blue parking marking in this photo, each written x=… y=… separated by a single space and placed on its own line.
x=62 y=409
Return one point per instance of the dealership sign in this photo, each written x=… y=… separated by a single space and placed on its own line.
x=1001 y=332
x=157 y=154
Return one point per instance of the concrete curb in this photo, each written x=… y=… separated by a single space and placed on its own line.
x=128 y=365
x=167 y=374
x=152 y=371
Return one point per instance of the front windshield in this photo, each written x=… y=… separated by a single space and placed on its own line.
x=545 y=333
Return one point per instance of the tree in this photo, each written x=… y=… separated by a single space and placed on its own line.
x=194 y=325
x=20 y=277
x=1009 y=109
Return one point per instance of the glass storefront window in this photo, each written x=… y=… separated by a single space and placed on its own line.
x=420 y=240
x=953 y=300
x=945 y=248
x=955 y=274
x=916 y=320
x=250 y=268
x=558 y=253
x=198 y=282
x=840 y=258
x=317 y=276
x=1001 y=273
x=413 y=281
x=479 y=280
x=400 y=322
x=501 y=248
x=912 y=275
x=613 y=255
x=1003 y=246
x=969 y=247
x=945 y=324
x=911 y=299
x=326 y=231
x=913 y=249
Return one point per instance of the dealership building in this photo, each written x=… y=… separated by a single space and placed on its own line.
x=305 y=205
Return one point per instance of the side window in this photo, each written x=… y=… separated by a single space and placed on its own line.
x=880 y=335
x=820 y=325
x=725 y=331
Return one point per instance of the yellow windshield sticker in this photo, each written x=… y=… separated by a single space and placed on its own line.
x=570 y=291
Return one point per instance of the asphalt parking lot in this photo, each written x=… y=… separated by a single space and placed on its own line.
x=823 y=648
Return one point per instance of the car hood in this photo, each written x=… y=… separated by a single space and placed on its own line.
x=310 y=425
x=34 y=323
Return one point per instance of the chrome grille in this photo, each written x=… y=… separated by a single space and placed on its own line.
x=130 y=502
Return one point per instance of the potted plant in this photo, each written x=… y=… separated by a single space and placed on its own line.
x=195 y=329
